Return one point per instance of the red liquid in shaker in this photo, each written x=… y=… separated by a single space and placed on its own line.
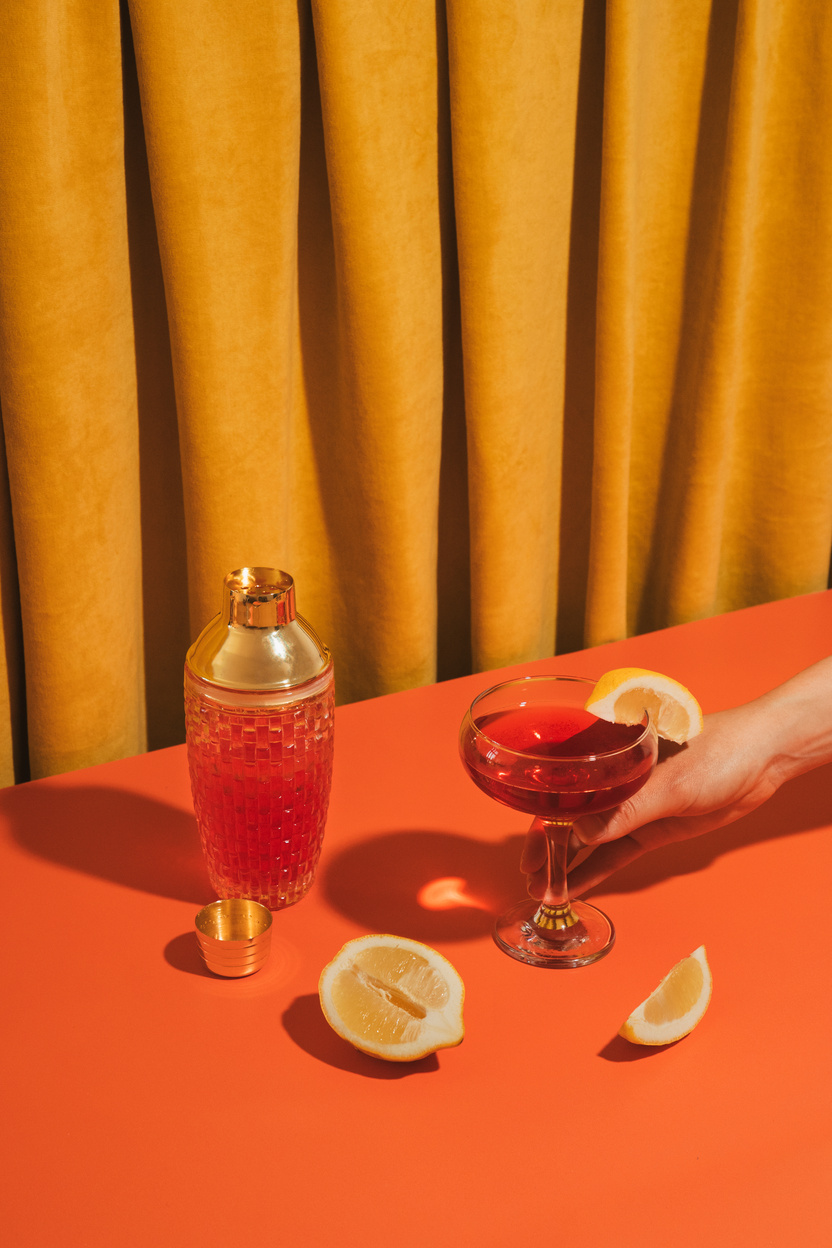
x=260 y=780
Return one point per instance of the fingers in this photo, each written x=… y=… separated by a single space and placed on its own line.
x=592 y=829
x=533 y=856
x=537 y=884
x=658 y=799
x=602 y=862
x=534 y=860
x=667 y=793
x=610 y=825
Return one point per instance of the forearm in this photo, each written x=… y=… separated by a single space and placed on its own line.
x=798 y=715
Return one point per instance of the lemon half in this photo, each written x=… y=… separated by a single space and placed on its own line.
x=393 y=998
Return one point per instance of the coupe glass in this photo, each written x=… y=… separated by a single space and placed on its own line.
x=532 y=745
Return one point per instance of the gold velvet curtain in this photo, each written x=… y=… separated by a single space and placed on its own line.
x=504 y=325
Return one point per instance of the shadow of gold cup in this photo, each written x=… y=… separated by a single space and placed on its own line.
x=234 y=936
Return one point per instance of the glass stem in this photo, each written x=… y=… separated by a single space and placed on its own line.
x=555 y=913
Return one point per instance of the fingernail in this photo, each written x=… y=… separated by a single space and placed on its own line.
x=589 y=828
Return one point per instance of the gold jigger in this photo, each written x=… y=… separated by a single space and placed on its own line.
x=234 y=936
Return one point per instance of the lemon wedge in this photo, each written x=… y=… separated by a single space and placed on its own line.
x=675 y=1007
x=624 y=694
x=393 y=998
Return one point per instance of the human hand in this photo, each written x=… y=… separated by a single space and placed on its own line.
x=738 y=760
x=717 y=777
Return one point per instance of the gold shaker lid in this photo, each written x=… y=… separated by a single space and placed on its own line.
x=258 y=641
x=259 y=598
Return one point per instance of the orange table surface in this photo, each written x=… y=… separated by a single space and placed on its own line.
x=147 y=1102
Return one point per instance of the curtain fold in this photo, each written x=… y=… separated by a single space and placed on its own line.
x=68 y=382
x=503 y=326
x=220 y=102
x=379 y=440
x=513 y=72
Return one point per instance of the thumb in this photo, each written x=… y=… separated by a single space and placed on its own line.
x=643 y=807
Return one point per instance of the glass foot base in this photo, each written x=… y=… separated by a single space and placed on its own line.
x=589 y=936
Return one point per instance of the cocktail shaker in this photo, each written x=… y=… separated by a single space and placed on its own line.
x=259 y=712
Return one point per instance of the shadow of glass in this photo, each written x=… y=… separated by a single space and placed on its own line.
x=378 y=882
x=115 y=835
x=306 y=1026
x=801 y=805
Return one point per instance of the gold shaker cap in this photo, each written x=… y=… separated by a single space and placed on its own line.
x=258 y=641
x=259 y=598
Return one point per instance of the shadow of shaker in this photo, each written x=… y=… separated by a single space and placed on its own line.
x=113 y=834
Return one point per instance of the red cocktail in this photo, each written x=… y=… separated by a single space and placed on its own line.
x=531 y=745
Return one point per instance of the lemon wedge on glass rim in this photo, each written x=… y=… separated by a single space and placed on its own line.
x=624 y=694
x=674 y=1008
x=393 y=997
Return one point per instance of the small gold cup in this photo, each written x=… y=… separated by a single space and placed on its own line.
x=234 y=936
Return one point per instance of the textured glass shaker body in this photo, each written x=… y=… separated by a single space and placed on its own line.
x=259 y=712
